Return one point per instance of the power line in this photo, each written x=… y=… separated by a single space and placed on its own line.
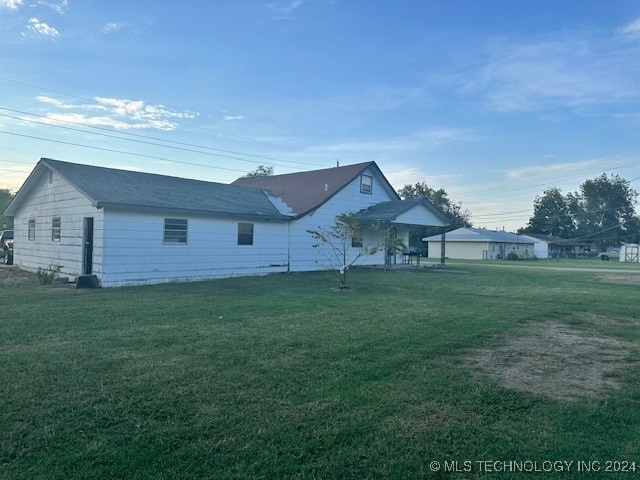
x=104 y=149
x=191 y=150
x=17 y=82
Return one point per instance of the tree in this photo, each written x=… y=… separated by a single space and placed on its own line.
x=458 y=216
x=5 y=199
x=261 y=171
x=342 y=245
x=552 y=214
x=601 y=211
x=606 y=211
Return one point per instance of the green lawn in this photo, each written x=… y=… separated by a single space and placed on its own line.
x=286 y=376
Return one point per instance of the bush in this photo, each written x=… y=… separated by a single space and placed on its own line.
x=49 y=275
x=512 y=256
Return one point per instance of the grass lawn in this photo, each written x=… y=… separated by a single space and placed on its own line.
x=285 y=376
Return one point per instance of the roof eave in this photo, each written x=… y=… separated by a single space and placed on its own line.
x=195 y=212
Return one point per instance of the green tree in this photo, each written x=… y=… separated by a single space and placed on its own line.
x=342 y=245
x=261 y=171
x=5 y=199
x=552 y=215
x=458 y=216
x=601 y=211
x=605 y=211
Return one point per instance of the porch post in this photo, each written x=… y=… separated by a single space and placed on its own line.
x=442 y=247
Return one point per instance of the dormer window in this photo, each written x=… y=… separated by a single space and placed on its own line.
x=366 y=184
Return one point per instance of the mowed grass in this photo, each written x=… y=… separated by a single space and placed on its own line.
x=286 y=376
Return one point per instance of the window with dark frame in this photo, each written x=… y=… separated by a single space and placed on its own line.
x=245 y=233
x=366 y=184
x=31 y=230
x=55 y=229
x=175 y=230
x=356 y=242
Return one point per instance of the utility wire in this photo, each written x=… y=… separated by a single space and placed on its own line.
x=191 y=150
x=17 y=82
x=154 y=157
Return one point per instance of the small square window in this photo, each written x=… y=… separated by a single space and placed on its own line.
x=175 y=230
x=31 y=230
x=245 y=234
x=366 y=184
x=55 y=229
x=356 y=242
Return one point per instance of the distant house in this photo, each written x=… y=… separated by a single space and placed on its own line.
x=480 y=244
x=131 y=228
x=549 y=246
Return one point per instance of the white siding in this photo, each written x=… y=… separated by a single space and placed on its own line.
x=459 y=250
x=630 y=252
x=480 y=250
x=45 y=201
x=304 y=257
x=420 y=215
x=135 y=252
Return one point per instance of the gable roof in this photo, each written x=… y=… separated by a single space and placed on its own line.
x=123 y=189
x=307 y=191
x=479 y=235
x=390 y=211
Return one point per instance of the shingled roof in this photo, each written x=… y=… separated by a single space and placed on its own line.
x=389 y=211
x=479 y=235
x=306 y=191
x=123 y=189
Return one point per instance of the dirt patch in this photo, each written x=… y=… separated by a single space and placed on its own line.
x=12 y=275
x=555 y=360
x=630 y=278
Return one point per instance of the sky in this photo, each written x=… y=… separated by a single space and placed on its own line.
x=493 y=101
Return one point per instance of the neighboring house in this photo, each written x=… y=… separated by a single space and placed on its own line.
x=132 y=228
x=480 y=244
x=549 y=246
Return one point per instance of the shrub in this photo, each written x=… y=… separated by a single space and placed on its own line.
x=512 y=256
x=49 y=275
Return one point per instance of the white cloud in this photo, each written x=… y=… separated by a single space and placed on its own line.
x=117 y=113
x=399 y=176
x=59 y=6
x=113 y=27
x=40 y=28
x=570 y=70
x=555 y=170
x=233 y=118
x=53 y=101
x=11 y=4
x=284 y=10
x=631 y=31
x=424 y=139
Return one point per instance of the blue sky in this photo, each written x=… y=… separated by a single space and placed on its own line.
x=493 y=101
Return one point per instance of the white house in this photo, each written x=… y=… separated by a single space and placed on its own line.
x=480 y=244
x=132 y=228
x=549 y=246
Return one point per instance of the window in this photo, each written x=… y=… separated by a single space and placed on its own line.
x=31 y=230
x=175 y=230
x=55 y=229
x=356 y=242
x=366 y=184
x=245 y=234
